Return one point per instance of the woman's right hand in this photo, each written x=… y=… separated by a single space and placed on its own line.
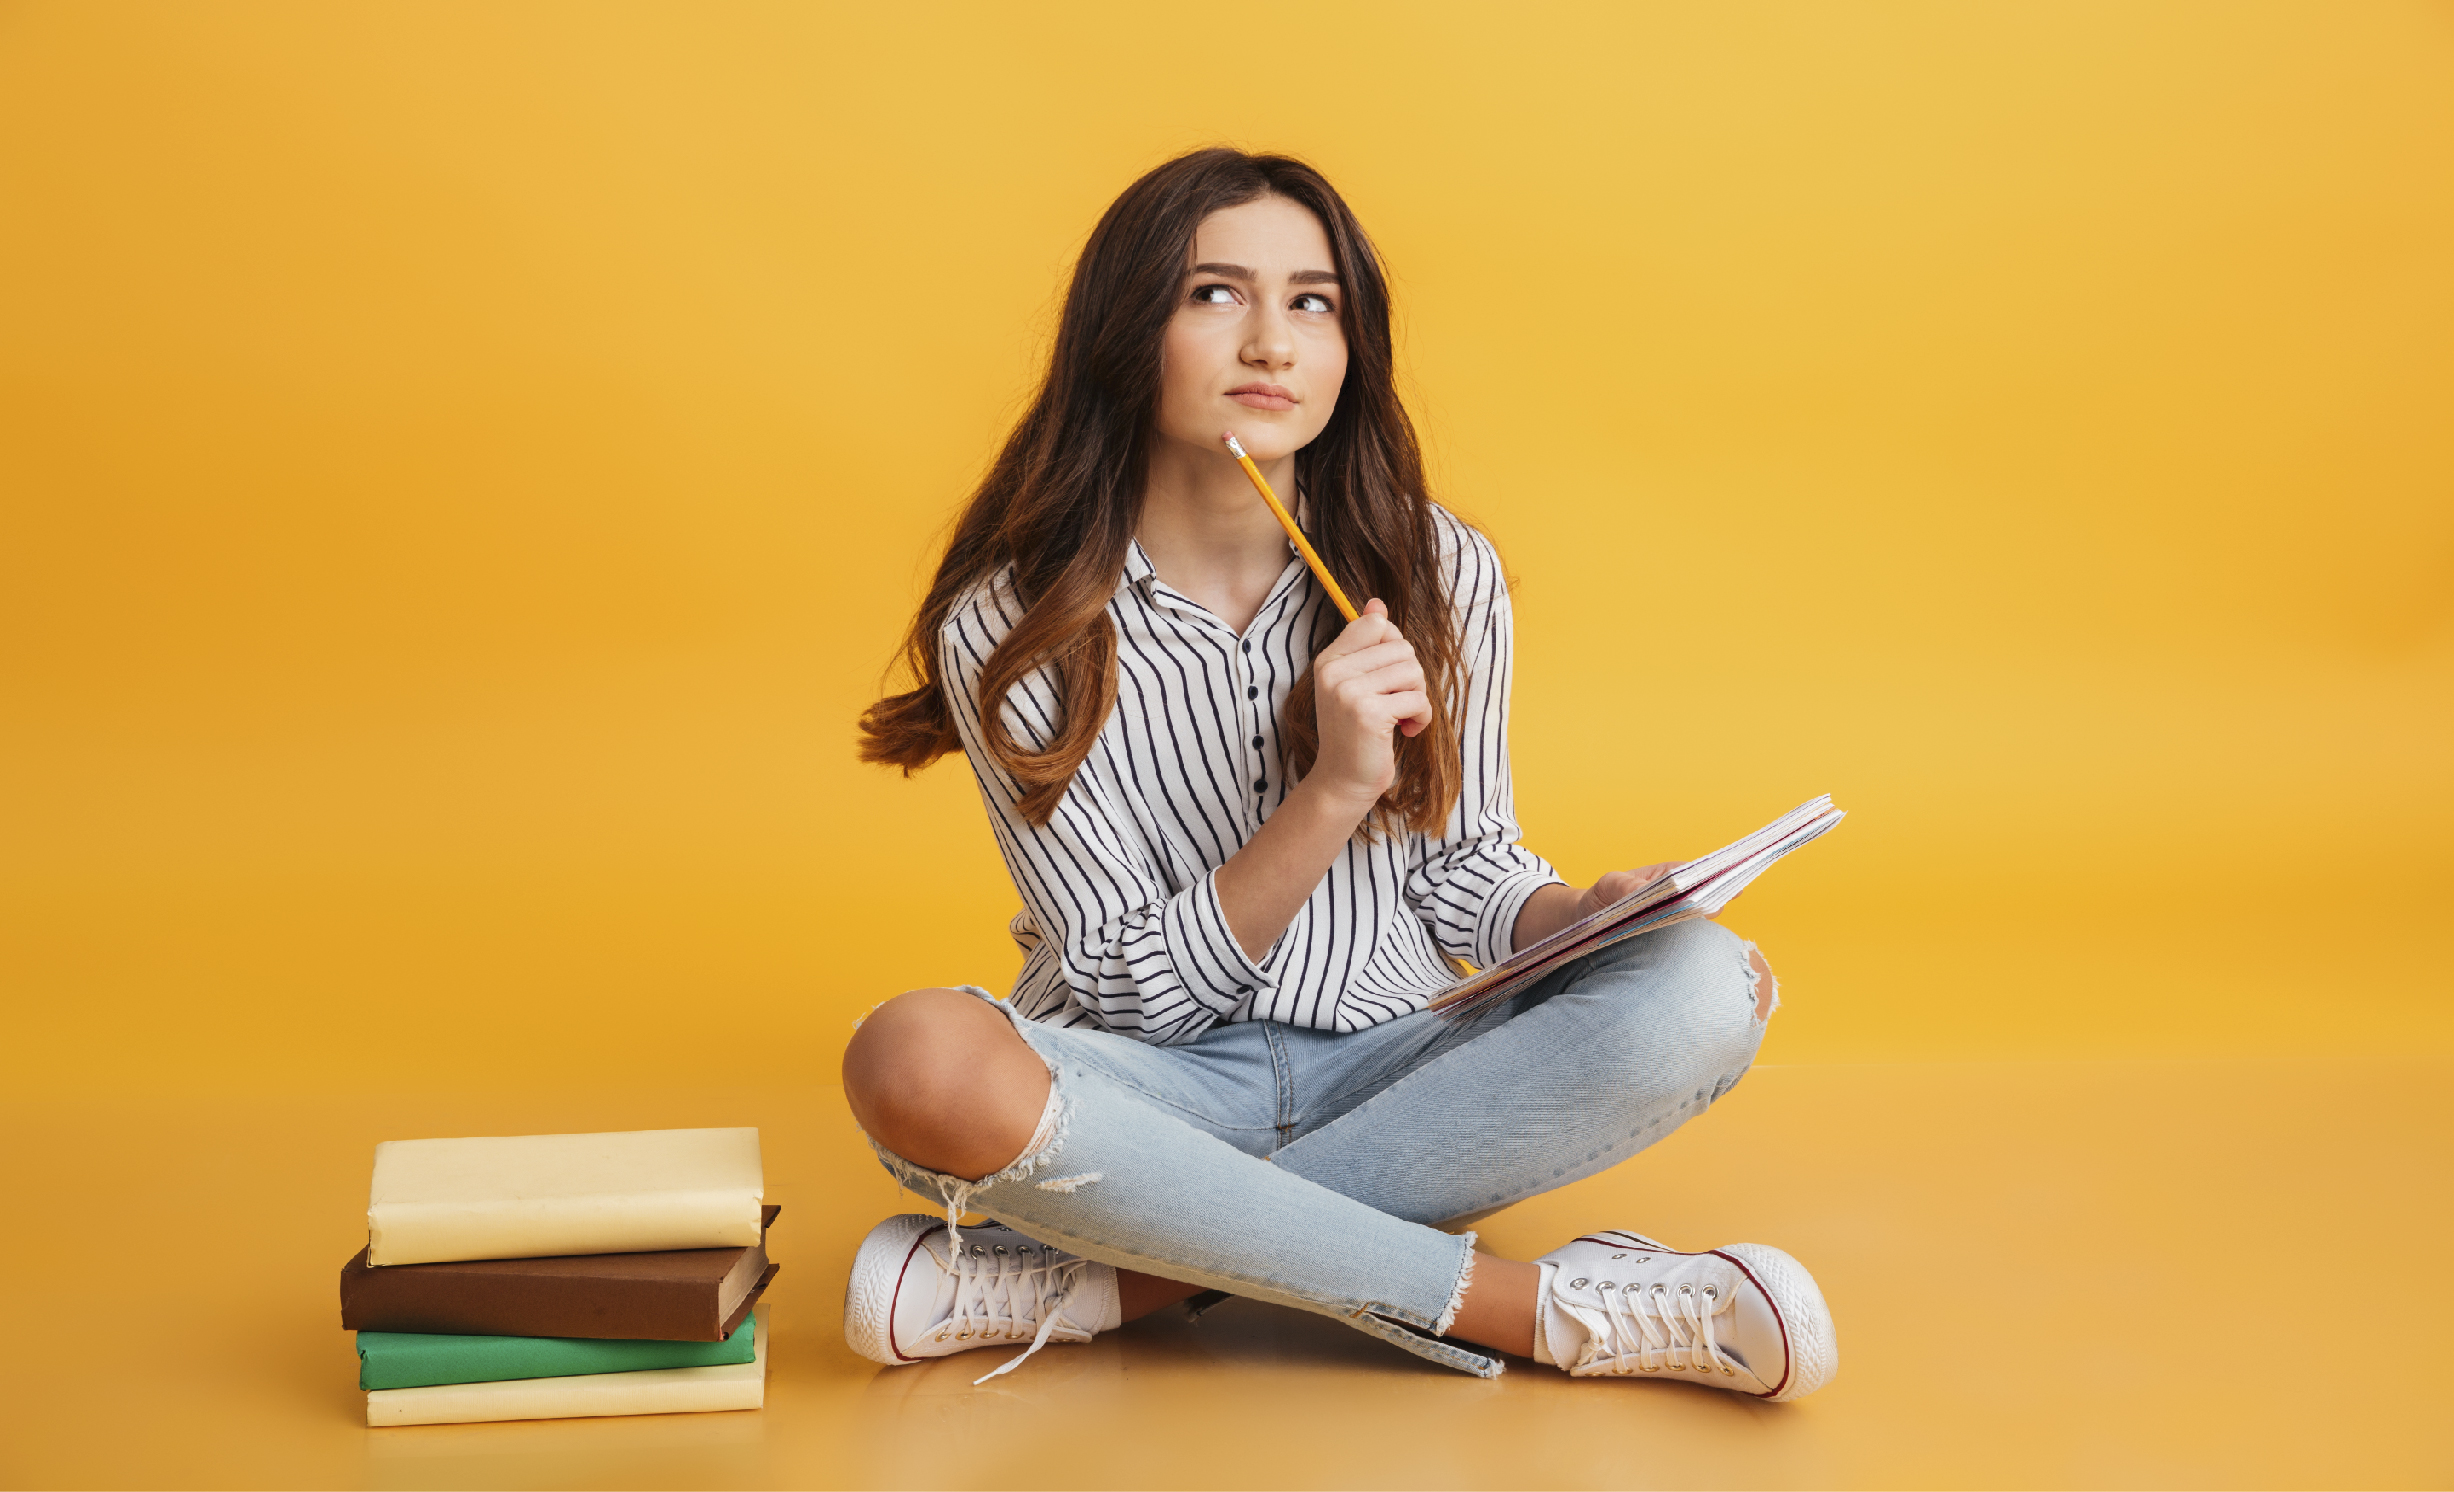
x=1365 y=684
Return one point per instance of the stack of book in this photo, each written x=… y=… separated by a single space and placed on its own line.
x=559 y=1276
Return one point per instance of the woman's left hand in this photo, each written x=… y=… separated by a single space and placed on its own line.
x=1555 y=907
x=1619 y=884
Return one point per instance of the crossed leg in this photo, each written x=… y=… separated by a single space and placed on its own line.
x=940 y=1078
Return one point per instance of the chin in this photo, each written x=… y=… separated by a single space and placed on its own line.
x=1268 y=442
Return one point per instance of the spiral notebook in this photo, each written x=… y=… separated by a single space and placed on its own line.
x=1699 y=888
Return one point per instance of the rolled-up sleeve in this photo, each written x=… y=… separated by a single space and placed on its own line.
x=1138 y=958
x=1469 y=884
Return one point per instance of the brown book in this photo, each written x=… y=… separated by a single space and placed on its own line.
x=682 y=1295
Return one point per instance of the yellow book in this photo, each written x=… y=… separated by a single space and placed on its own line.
x=539 y=1196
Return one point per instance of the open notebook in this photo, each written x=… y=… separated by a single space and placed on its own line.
x=1697 y=889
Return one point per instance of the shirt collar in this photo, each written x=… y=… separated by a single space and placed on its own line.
x=1143 y=576
x=1139 y=571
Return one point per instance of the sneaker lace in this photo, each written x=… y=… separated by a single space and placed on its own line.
x=1626 y=1328
x=1002 y=1293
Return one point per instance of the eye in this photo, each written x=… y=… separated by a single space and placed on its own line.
x=1213 y=295
x=1317 y=304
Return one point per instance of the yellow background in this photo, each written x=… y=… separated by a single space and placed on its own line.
x=463 y=468
x=466 y=466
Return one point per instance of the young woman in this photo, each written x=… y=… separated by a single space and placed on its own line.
x=1251 y=845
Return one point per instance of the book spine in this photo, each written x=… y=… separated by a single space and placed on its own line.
x=659 y=1391
x=441 y=1232
x=518 y=1305
x=563 y=1398
x=388 y=1359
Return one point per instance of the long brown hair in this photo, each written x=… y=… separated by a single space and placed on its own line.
x=1061 y=502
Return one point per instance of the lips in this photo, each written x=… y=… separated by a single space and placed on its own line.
x=1263 y=396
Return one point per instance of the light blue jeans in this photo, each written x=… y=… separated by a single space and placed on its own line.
x=1309 y=1168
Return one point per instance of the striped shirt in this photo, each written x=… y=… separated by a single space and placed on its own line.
x=1121 y=926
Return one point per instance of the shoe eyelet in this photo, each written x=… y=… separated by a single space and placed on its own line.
x=1618 y=1256
x=1729 y=1372
x=1579 y=1283
x=1001 y=1248
x=1709 y=1294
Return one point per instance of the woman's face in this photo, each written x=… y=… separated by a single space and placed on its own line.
x=1255 y=345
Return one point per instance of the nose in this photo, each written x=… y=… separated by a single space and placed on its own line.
x=1269 y=337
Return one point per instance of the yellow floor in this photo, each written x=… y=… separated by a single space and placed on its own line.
x=2081 y=1274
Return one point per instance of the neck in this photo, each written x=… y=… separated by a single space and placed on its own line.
x=1208 y=533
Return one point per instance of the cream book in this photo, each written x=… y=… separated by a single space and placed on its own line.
x=537 y=1196
x=652 y=1391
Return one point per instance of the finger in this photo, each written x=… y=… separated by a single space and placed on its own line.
x=1371 y=624
x=1414 y=724
x=1374 y=662
x=1332 y=674
x=1406 y=705
x=1362 y=632
x=1373 y=697
x=1382 y=683
x=1390 y=707
x=1379 y=655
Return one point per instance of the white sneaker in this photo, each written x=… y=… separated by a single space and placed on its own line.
x=918 y=1292
x=1745 y=1317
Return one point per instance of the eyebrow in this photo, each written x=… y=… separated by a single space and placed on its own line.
x=1239 y=272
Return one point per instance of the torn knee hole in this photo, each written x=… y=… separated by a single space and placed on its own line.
x=1762 y=984
x=1047 y=1139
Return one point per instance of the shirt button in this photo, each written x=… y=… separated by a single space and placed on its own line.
x=1256 y=743
x=1248 y=645
x=1262 y=786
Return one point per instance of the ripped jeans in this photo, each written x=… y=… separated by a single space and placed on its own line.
x=1309 y=1168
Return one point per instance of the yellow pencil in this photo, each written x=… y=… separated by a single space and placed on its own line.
x=1286 y=520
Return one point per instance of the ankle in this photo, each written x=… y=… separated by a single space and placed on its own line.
x=1498 y=1309
x=1139 y=1294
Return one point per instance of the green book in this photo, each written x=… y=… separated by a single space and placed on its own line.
x=403 y=1359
